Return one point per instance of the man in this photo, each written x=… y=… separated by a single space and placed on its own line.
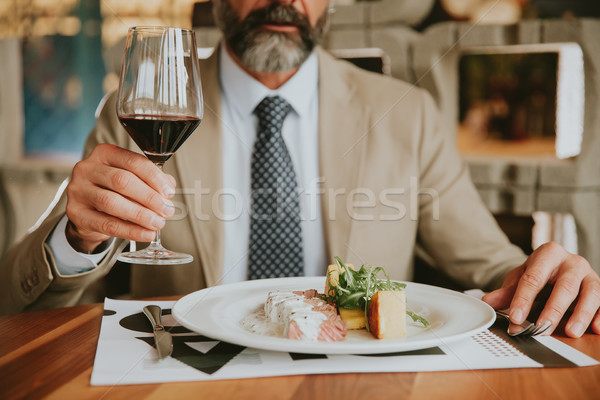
x=385 y=178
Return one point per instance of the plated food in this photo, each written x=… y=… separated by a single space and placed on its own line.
x=216 y=312
x=352 y=299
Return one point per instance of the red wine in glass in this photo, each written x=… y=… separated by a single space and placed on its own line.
x=159 y=105
x=159 y=136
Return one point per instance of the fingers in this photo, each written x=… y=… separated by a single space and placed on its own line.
x=111 y=203
x=596 y=323
x=132 y=187
x=586 y=311
x=173 y=183
x=141 y=167
x=565 y=291
x=90 y=220
x=542 y=265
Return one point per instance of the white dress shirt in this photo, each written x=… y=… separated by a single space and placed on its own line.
x=240 y=95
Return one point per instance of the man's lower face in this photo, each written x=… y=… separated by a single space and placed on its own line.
x=272 y=39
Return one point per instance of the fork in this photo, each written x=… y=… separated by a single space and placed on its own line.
x=525 y=328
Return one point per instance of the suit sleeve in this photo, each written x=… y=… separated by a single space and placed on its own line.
x=455 y=227
x=29 y=279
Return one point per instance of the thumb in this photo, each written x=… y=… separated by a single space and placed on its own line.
x=500 y=298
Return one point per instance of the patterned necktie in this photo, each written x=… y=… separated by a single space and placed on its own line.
x=275 y=232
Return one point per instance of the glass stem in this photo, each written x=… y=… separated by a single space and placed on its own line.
x=156 y=244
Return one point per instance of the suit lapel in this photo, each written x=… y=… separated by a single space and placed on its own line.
x=343 y=126
x=198 y=164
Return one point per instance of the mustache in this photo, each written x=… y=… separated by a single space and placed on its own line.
x=277 y=14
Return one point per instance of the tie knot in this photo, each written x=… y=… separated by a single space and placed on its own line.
x=271 y=112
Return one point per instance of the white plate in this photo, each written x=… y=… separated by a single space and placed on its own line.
x=216 y=312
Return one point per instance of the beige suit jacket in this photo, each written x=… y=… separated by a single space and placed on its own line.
x=391 y=180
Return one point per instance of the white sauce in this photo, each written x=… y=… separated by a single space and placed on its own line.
x=280 y=309
x=257 y=322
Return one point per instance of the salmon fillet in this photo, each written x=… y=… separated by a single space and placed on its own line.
x=305 y=316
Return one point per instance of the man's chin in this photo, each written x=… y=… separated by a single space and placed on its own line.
x=274 y=58
x=269 y=50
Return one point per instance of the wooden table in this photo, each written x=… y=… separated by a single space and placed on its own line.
x=51 y=353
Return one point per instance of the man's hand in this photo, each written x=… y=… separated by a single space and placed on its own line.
x=572 y=280
x=116 y=193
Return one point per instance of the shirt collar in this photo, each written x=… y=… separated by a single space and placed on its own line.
x=299 y=90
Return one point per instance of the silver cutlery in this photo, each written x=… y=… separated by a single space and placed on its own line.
x=526 y=328
x=162 y=338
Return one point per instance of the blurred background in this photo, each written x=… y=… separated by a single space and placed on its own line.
x=66 y=46
x=64 y=75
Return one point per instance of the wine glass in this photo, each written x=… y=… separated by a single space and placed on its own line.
x=160 y=105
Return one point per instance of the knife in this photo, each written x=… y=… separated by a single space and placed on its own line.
x=162 y=339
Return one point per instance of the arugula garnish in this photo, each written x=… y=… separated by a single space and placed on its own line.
x=356 y=287
x=418 y=318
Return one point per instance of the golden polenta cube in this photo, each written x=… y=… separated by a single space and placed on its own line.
x=387 y=314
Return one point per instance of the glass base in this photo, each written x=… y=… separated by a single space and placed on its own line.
x=155 y=256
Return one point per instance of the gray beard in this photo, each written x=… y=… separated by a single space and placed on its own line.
x=266 y=51
x=273 y=52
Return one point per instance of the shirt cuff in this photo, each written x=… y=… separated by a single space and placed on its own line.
x=68 y=260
